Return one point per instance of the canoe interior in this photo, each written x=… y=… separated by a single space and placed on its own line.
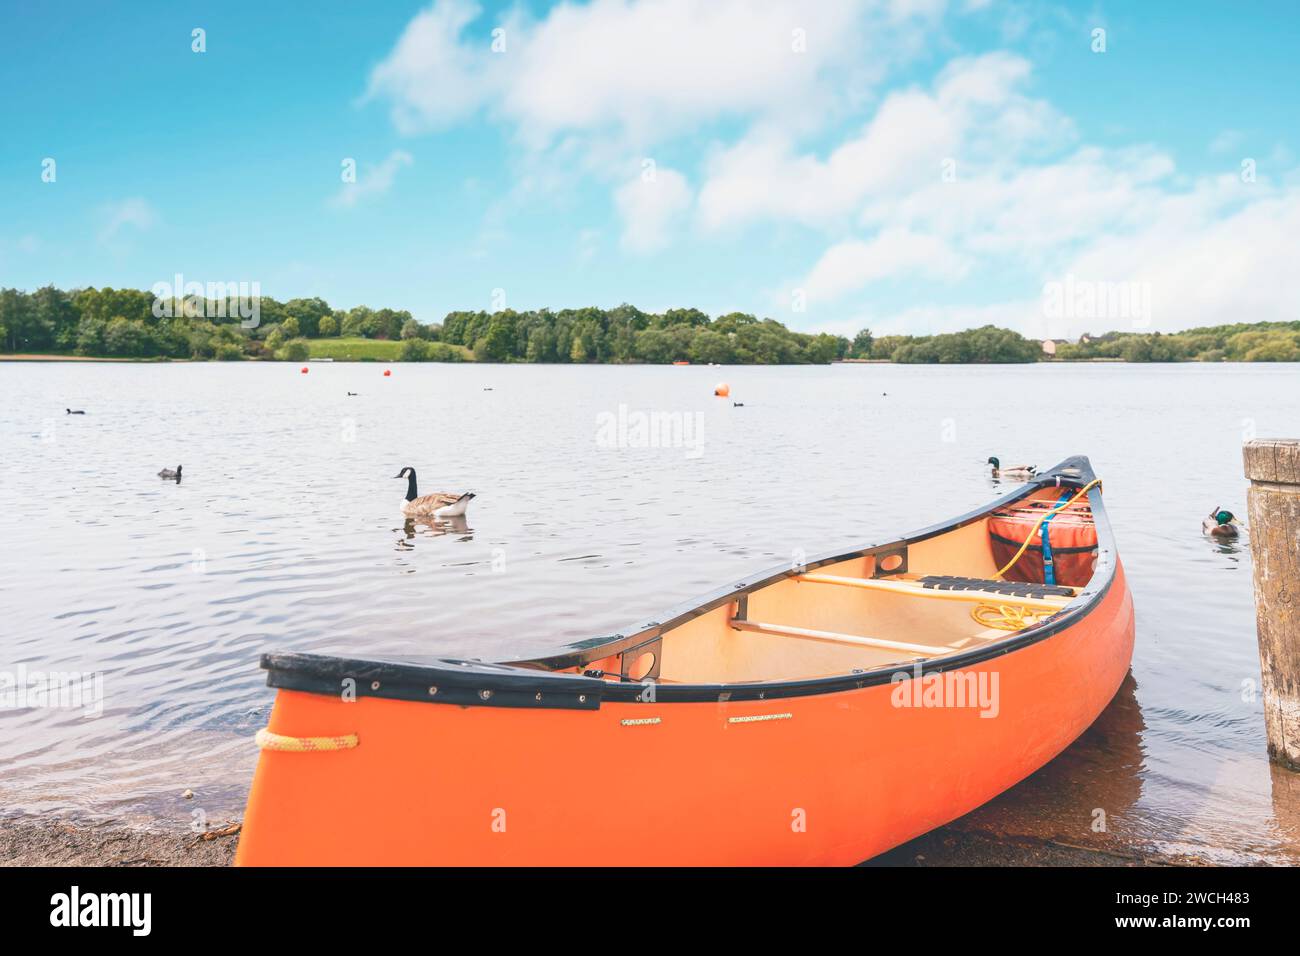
x=711 y=649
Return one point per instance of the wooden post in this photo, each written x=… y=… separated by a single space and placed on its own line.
x=1273 y=503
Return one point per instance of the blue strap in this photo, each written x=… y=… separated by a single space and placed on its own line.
x=1049 y=568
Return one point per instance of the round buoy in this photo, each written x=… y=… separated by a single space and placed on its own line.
x=722 y=390
x=304 y=370
x=387 y=372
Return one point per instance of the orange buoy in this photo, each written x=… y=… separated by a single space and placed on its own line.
x=387 y=372
x=722 y=390
x=304 y=370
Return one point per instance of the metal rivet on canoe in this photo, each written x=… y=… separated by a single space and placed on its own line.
x=485 y=694
x=758 y=718
x=639 y=721
x=374 y=685
x=432 y=691
x=582 y=698
x=538 y=696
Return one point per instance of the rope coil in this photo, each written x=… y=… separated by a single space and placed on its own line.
x=273 y=741
x=1006 y=617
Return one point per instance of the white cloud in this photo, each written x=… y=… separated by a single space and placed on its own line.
x=643 y=70
x=851 y=265
x=134 y=213
x=1207 y=258
x=974 y=111
x=651 y=208
x=1215 y=253
x=1033 y=210
x=431 y=79
x=581 y=88
x=372 y=181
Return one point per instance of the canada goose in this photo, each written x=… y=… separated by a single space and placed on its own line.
x=440 y=504
x=75 y=411
x=1012 y=471
x=1220 y=524
x=168 y=473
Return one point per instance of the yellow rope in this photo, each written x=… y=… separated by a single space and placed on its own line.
x=270 y=741
x=1005 y=617
x=1039 y=523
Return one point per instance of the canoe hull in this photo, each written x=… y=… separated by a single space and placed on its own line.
x=820 y=779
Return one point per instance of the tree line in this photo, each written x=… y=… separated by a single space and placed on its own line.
x=1243 y=342
x=128 y=323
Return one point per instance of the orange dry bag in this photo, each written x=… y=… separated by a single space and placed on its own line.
x=1066 y=543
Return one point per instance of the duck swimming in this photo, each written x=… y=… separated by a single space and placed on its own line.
x=1011 y=471
x=440 y=504
x=75 y=411
x=168 y=473
x=1220 y=524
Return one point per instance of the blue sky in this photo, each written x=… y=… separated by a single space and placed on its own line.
x=908 y=165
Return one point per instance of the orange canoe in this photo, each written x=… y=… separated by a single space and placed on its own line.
x=811 y=715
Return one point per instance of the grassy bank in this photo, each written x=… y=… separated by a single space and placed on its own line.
x=357 y=349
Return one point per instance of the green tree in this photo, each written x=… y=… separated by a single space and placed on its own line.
x=308 y=314
x=328 y=327
x=710 y=346
x=862 y=343
x=413 y=350
x=495 y=344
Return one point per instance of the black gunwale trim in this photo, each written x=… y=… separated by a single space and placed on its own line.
x=533 y=682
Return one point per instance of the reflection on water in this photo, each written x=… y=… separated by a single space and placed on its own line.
x=286 y=534
x=432 y=528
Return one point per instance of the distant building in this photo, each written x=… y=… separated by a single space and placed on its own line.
x=1049 y=347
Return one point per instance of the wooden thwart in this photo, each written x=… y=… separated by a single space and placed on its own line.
x=835 y=637
x=916 y=590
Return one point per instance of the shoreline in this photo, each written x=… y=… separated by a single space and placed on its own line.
x=33 y=840
x=160 y=360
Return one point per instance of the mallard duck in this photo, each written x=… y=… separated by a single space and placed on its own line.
x=168 y=473
x=1011 y=471
x=440 y=504
x=1220 y=524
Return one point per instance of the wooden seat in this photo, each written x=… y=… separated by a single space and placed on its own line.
x=835 y=637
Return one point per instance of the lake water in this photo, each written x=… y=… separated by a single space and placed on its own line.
x=285 y=533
